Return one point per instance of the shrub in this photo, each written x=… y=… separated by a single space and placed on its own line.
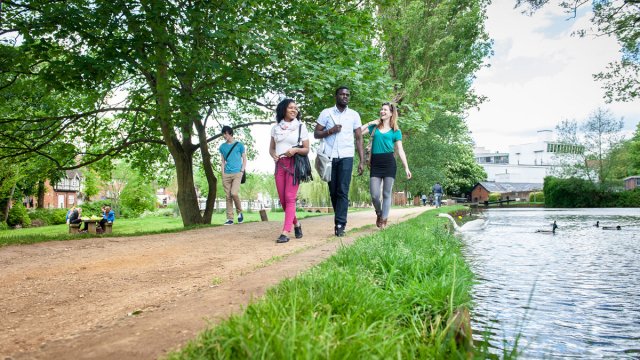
x=536 y=196
x=494 y=196
x=136 y=197
x=18 y=216
x=3 y=225
x=94 y=207
x=48 y=216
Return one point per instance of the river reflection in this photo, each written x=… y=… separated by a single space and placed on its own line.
x=573 y=294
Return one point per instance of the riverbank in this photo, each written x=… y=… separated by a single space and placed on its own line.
x=399 y=293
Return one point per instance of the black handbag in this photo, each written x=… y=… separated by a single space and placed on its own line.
x=302 y=165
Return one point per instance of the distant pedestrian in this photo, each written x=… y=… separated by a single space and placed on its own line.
x=284 y=145
x=386 y=139
x=234 y=162
x=339 y=126
x=437 y=193
x=424 y=199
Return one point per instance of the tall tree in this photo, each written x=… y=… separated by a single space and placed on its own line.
x=143 y=79
x=619 y=18
x=434 y=49
x=593 y=141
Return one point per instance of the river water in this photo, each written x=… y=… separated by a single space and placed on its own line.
x=572 y=294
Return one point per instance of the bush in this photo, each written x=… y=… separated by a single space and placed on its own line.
x=628 y=198
x=48 y=216
x=18 y=216
x=3 y=225
x=94 y=207
x=536 y=196
x=136 y=197
x=494 y=196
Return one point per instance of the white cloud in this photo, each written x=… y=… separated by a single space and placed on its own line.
x=540 y=75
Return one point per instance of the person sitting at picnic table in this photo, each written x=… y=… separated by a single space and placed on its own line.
x=69 y=213
x=74 y=218
x=108 y=217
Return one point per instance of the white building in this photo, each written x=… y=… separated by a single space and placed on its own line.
x=525 y=163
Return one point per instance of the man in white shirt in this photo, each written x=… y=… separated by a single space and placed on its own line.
x=337 y=126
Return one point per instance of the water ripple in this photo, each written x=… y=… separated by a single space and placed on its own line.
x=569 y=295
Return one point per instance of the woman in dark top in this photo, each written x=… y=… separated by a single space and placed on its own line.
x=386 y=141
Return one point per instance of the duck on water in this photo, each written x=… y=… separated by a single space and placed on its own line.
x=618 y=227
x=554 y=226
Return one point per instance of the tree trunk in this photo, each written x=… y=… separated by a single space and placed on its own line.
x=6 y=213
x=40 y=204
x=187 y=197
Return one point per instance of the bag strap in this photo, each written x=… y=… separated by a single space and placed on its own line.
x=230 y=150
x=299 y=133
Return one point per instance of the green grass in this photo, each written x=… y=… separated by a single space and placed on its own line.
x=125 y=227
x=389 y=295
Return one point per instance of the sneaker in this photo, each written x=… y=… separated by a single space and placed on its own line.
x=340 y=230
x=240 y=218
x=282 y=239
x=228 y=222
x=298 y=231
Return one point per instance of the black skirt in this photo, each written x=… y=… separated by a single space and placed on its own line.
x=383 y=165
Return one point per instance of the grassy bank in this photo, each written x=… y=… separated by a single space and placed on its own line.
x=389 y=295
x=124 y=227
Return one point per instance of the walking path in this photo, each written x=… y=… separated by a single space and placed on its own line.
x=140 y=297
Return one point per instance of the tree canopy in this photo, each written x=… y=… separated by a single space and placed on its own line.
x=146 y=80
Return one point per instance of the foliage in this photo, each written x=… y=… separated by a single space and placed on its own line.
x=626 y=157
x=90 y=184
x=434 y=49
x=3 y=226
x=621 y=79
x=95 y=207
x=536 y=196
x=570 y=193
x=49 y=216
x=389 y=295
x=597 y=137
x=179 y=71
x=137 y=196
x=18 y=215
x=494 y=196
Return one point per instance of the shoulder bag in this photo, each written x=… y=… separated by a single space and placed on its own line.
x=323 y=161
x=244 y=175
x=302 y=166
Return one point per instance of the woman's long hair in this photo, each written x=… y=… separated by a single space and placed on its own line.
x=393 y=120
x=281 y=109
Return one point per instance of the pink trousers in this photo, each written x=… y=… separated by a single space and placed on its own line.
x=287 y=192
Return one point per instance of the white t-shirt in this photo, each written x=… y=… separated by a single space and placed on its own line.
x=341 y=144
x=287 y=138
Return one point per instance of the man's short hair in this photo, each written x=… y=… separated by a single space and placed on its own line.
x=227 y=130
x=341 y=88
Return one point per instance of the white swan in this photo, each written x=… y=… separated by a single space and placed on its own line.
x=473 y=225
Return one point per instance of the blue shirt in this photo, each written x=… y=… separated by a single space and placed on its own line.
x=110 y=217
x=234 y=160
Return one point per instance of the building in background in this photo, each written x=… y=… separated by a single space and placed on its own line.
x=513 y=191
x=64 y=193
x=525 y=163
x=632 y=182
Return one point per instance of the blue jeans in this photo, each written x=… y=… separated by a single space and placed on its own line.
x=438 y=197
x=341 y=170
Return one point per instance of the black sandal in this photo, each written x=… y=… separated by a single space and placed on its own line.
x=282 y=239
x=298 y=231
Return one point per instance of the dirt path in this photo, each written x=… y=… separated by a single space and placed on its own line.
x=139 y=297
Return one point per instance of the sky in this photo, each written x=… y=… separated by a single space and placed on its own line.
x=540 y=75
